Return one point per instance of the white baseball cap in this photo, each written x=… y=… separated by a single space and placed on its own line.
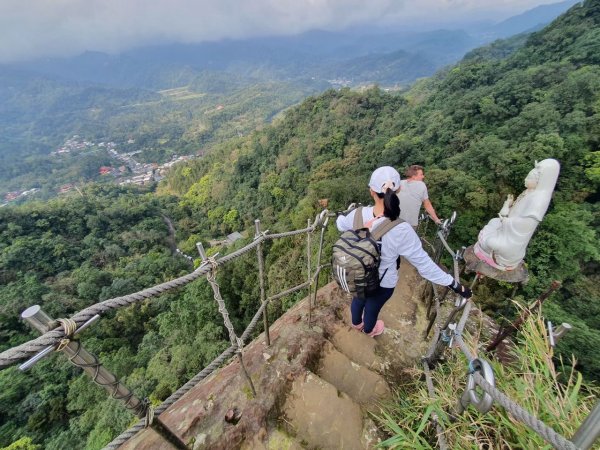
x=383 y=175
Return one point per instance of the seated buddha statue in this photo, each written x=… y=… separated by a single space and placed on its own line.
x=503 y=241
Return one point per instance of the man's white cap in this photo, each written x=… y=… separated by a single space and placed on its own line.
x=383 y=175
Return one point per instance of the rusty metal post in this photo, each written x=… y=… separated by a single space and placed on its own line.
x=309 y=275
x=261 y=275
x=319 y=254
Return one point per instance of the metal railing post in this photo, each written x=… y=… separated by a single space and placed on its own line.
x=319 y=254
x=261 y=275
x=309 y=275
x=80 y=357
x=589 y=430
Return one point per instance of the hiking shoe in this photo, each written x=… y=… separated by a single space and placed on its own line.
x=358 y=327
x=377 y=329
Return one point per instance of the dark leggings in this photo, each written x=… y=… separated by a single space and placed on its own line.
x=370 y=306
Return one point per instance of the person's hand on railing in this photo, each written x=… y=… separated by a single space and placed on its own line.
x=351 y=207
x=461 y=290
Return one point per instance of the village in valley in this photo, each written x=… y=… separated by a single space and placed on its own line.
x=125 y=170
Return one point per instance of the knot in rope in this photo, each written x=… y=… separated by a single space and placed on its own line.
x=262 y=234
x=149 y=418
x=69 y=328
x=240 y=344
x=211 y=276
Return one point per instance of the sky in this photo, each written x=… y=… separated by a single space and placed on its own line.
x=44 y=28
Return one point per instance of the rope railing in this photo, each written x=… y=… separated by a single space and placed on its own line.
x=53 y=337
x=519 y=413
x=481 y=374
x=59 y=338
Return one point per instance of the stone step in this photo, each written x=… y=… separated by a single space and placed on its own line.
x=321 y=417
x=275 y=440
x=363 y=385
x=358 y=347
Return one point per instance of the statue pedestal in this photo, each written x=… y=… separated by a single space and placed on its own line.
x=474 y=264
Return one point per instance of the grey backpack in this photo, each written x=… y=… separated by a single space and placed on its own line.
x=356 y=256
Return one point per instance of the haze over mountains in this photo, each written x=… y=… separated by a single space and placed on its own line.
x=374 y=55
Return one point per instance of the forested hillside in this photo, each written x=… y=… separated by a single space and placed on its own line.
x=476 y=127
x=69 y=254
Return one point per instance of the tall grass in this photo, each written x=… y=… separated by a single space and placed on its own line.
x=561 y=400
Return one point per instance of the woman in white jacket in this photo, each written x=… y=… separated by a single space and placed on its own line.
x=402 y=240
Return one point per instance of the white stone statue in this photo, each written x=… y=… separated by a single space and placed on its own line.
x=503 y=241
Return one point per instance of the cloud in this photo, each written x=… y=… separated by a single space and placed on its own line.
x=37 y=28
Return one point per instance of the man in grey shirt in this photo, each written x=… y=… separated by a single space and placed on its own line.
x=413 y=194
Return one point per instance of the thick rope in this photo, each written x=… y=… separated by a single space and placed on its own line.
x=289 y=291
x=465 y=349
x=551 y=436
x=290 y=233
x=212 y=279
x=445 y=244
x=52 y=338
x=128 y=434
x=253 y=322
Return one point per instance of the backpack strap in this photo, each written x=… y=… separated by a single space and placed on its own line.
x=384 y=227
x=358 y=219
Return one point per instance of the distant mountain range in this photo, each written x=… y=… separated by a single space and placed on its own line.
x=358 y=56
x=531 y=20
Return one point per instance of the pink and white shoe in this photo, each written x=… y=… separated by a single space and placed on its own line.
x=358 y=327
x=377 y=329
